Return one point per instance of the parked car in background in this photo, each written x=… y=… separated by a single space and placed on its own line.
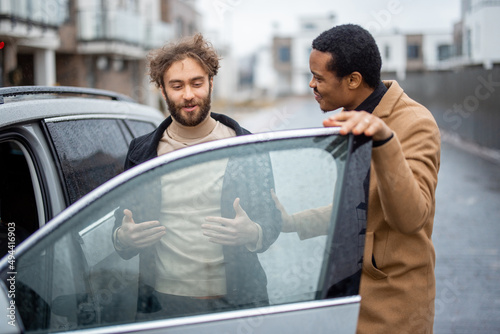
x=68 y=277
x=59 y=143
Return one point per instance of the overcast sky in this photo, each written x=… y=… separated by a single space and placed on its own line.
x=248 y=24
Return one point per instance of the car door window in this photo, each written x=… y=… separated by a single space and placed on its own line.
x=139 y=128
x=89 y=151
x=21 y=209
x=77 y=277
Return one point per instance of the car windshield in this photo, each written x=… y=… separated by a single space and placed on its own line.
x=77 y=276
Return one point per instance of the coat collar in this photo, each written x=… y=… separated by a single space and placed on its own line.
x=389 y=100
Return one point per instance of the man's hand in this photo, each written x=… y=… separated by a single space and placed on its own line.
x=139 y=235
x=232 y=232
x=359 y=122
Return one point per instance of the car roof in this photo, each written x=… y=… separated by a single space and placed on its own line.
x=19 y=91
x=37 y=102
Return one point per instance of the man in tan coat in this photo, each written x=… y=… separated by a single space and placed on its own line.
x=397 y=280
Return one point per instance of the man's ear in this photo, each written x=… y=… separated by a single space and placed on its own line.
x=211 y=80
x=354 y=80
x=162 y=92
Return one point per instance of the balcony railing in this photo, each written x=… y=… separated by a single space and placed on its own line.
x=110 y=26
x=157 y=34
x=122 y=26
x=37 y=12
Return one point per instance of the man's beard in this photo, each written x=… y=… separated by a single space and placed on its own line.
x=193 y=118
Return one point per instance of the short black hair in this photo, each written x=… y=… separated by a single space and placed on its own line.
x=353 y=49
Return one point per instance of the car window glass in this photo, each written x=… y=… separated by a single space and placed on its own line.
x=18 y=206
x=90 y=152
x=139 y=128
x=77 y=277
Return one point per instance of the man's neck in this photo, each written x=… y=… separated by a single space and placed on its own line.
x=371 y=101
x=361 y=95
x=192 y=132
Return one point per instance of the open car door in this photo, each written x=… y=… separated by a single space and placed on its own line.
x=301 y=276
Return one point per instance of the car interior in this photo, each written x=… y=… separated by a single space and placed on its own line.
x=17 y=197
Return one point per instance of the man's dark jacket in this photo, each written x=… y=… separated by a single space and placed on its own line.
x=250 y=179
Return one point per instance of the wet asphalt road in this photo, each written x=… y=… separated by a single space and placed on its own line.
x=467 y=242
x=466 y=229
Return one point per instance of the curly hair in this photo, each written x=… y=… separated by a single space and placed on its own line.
x=353 y=49
x=195 y=47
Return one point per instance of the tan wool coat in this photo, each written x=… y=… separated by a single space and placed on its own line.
x=398 y=283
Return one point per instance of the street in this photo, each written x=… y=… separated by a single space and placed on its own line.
x=466 y=233
x=466 y=227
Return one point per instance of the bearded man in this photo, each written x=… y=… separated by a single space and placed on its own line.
x=204 y=258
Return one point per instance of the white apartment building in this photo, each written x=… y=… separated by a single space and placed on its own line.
x=392 y=49
x=475 y=41
x=480 y=29
x=291 y=54
x=402 y=52
x=472 y=41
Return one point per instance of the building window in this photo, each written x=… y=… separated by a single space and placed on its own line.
x=387 y=52
x=309 y=26
x=284 y=54
x=445 y=51
x=413 y=51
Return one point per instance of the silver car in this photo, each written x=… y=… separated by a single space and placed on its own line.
x=59 y=143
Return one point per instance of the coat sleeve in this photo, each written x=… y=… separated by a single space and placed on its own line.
x=251 y=180
x=406 y=170
x=262 y=208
